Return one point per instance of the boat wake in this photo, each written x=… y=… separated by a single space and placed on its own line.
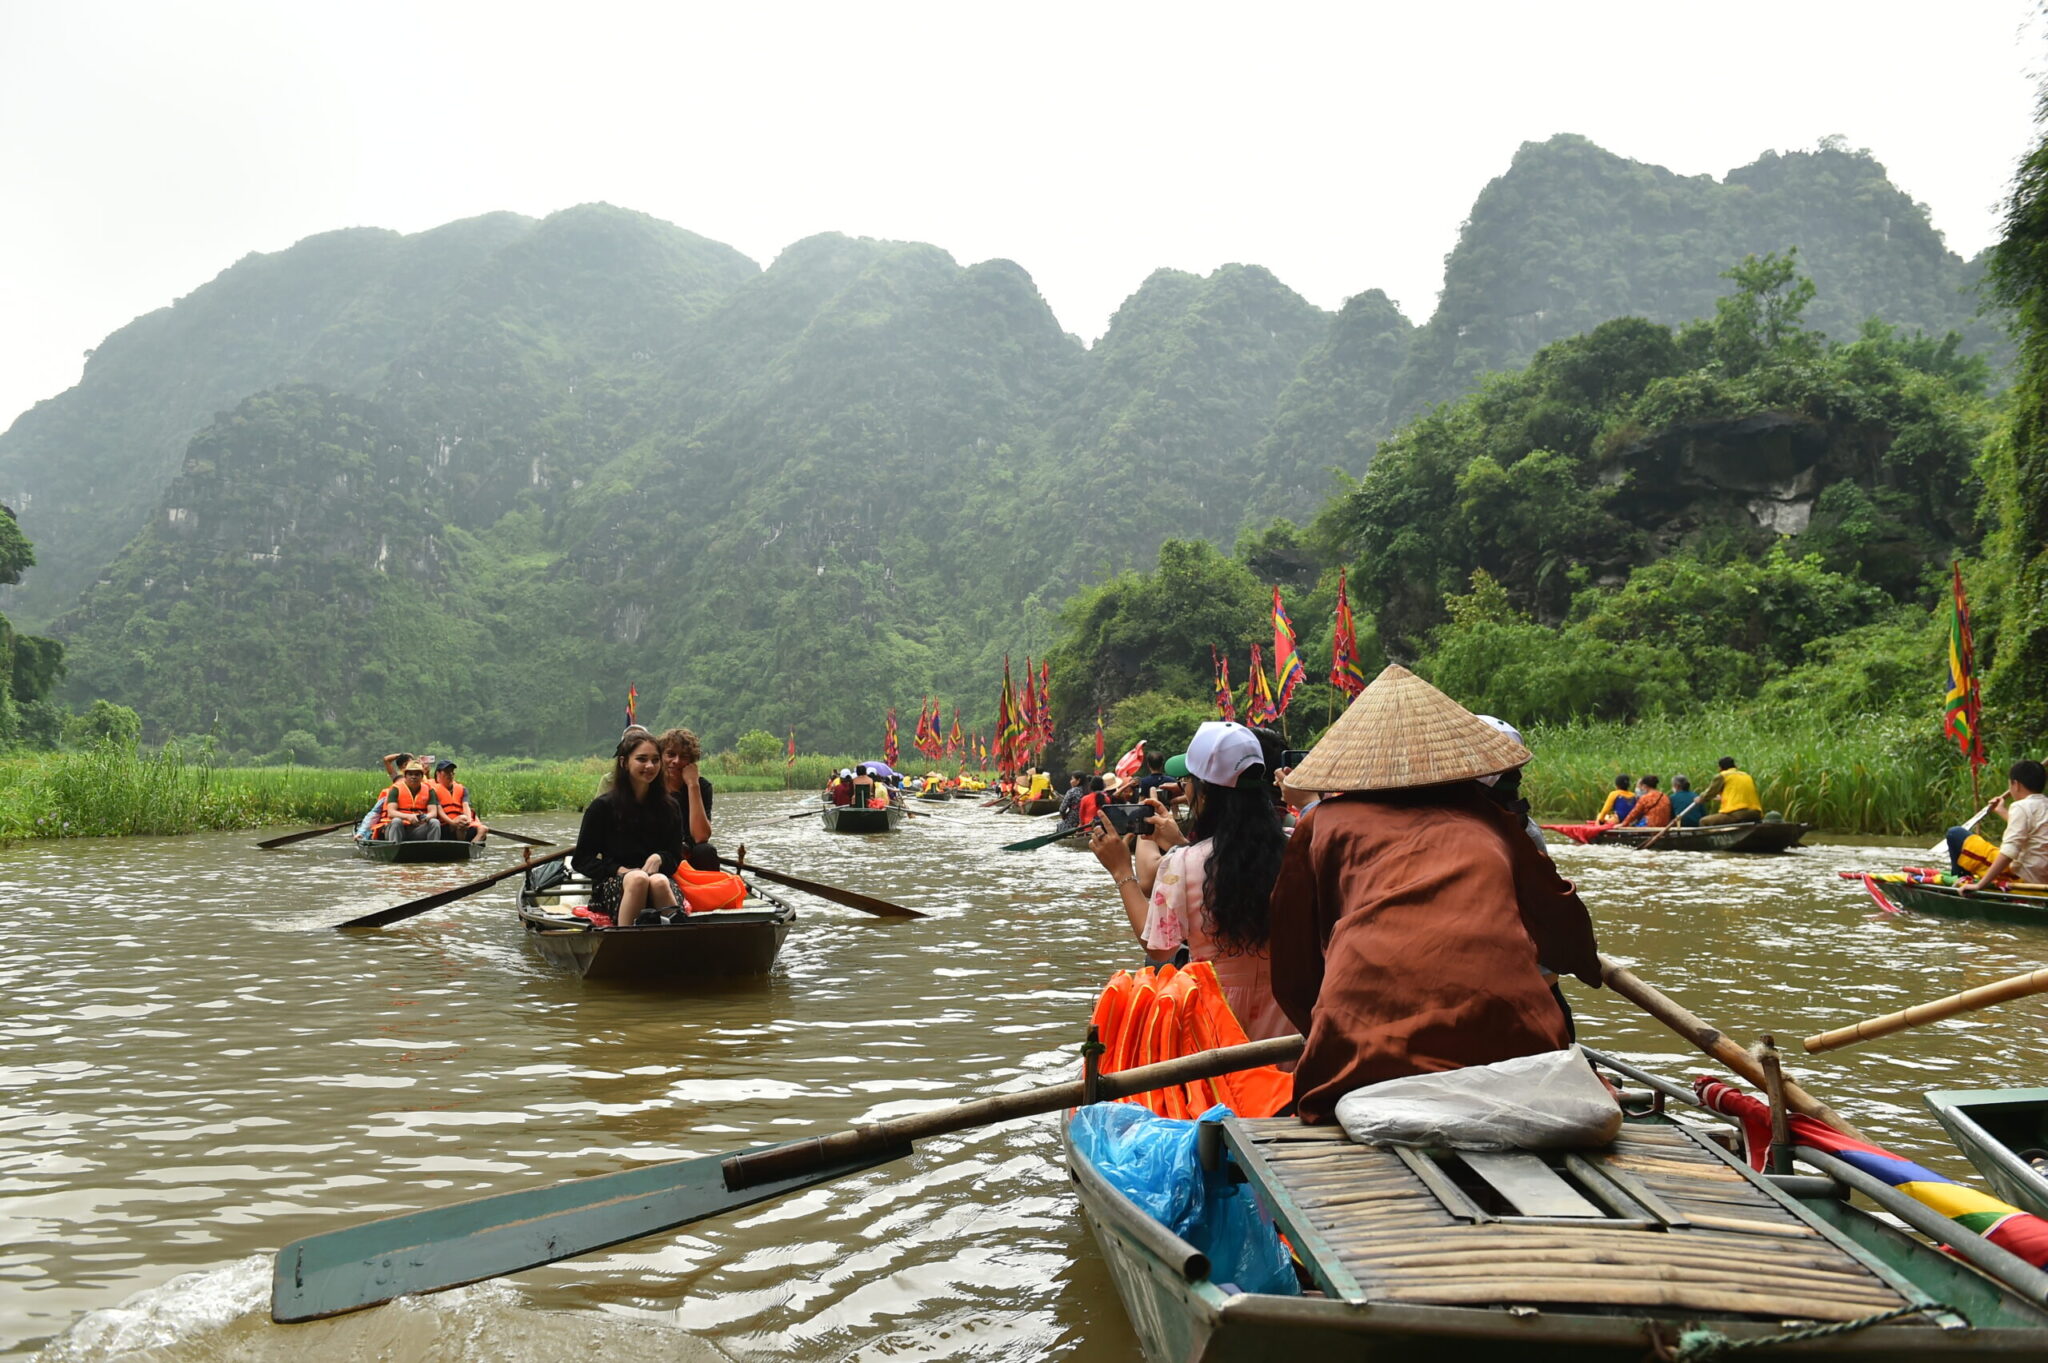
x=223 y=1316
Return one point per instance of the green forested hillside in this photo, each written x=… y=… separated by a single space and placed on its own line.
x=466 y=487
x=1573 y=235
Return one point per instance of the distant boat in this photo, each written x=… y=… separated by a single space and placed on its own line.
x=856 y=819
x=1770 y=835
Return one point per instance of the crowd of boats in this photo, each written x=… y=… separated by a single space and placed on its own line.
x=1706 y=1220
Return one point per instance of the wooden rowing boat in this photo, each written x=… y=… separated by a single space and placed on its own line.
x=854 y=819
x=1605 y=1254
x=1993 y=906
x=2003 y=1132
x=1048 y=804
x=722 y=944
x=419 y=850
x=1767 y=836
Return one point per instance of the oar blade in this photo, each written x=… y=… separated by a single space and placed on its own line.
x=291 y=838
x=487 y=1237
x=1040 y=841
x=411 y=907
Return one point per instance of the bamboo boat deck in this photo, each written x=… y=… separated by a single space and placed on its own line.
x=1683 y=1229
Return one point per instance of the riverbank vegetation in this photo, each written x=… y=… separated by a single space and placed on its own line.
x=114 y=789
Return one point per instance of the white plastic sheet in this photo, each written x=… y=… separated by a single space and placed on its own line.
x=1551 y=1101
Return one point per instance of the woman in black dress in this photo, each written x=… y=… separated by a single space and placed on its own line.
x=632 y=837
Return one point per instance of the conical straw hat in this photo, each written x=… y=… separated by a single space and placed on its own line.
x=1403 y=732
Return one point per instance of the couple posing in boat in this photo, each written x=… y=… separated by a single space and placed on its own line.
x=645 y=841
x=1410 y=924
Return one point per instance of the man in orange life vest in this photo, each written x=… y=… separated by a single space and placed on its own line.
x=458 y=820
x=412 y=809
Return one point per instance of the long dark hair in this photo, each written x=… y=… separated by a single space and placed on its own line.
x=640 y=812
x=1245 y=845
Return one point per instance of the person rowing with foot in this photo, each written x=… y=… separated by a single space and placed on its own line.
x=1413 y=916
x=631 y=839
x=2023 y=853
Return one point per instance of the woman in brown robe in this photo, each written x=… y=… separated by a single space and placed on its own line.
x=1414 y=920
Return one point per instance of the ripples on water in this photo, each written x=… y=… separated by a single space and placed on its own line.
x=195 y=1071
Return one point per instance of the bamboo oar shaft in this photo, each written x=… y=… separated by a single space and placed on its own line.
x=1626 y=983
x=785 y=1161
x=1983 y=996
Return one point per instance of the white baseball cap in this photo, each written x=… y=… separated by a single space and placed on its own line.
x=1511 y=731
x=1220 y=752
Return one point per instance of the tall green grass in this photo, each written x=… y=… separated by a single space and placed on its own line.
x=114 y=791
x=1875 y=774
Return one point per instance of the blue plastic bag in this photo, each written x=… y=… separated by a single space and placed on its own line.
x=1152 y=1161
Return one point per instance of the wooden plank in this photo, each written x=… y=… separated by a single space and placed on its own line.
x=1530 y=1186
x=1776 y=1267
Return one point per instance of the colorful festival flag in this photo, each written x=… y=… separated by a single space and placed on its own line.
x=1963 y=706
x=1287 y=668
x=1258 y=693
x=1028 y=740
x=889 y=748
x=1101 y=741
x=1128 y=764
x=1226 y=705
x=1345 y=673
x=953 y=740
x=1010 y=753
x=632 y=703
x=791 y=760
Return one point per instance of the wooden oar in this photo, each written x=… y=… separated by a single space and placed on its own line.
x=1043 y=839
x=1983 y=996
x=852 y=899
x=289 y=838
x=519 y=837
x=398 y=912
x=427 y=1251
x=1632 y=987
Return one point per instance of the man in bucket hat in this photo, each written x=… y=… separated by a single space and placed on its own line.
x=1412 y=912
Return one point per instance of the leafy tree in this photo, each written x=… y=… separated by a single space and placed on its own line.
x=758 y=747
x=1761 y=317
x=103 y=723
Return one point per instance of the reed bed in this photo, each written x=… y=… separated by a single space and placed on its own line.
x=119 y=792
x=1870 y=774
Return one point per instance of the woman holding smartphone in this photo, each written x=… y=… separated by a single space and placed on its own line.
x=1209 y=893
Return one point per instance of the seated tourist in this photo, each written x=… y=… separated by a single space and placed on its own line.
x=1652 y=808
x=1620 y=801
x=412 y=811
x=631 y=839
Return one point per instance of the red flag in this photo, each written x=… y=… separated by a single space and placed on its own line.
x=889 y=748
x=1009 y=726
x=953 y=742
x=1287 y=668
x=792 y=749
x=1128 y=764
x=1028 y=739
x=632 y=699
x=1101 y=741
x=1044 y=705
x=1345 y=674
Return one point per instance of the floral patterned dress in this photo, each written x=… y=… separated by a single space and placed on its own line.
x=1177 y=914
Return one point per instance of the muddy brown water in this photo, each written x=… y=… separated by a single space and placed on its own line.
x=194 y=1070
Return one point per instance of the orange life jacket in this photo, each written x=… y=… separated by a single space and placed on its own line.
x=1162 y=1013
x=703 y=891
x=454 y=799
x=399 y=800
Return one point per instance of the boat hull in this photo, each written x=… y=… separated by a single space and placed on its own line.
x=848 y=819
x=726 y=944
x=421 y=851
x=1774 y=836
x=1048 y=805
x=1181 y=1316
x=1991 y=906
x=1992 y=1127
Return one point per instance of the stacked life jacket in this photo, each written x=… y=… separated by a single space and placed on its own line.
x=1160 y=1013
x=399 y=800
x=704 y=891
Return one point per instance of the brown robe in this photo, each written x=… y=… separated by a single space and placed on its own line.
x=1407 y=928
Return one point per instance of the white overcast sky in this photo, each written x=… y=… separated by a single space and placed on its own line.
x=146 y=146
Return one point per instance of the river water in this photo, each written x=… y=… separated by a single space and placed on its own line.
x=195 y=1070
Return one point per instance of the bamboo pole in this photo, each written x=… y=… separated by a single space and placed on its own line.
x=1983 y=996
x=1710 y=1040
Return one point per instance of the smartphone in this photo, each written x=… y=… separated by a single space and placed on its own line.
x=1127 y=819
x=1293 y=757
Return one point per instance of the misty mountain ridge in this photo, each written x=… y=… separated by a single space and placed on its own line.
x=607 y=450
